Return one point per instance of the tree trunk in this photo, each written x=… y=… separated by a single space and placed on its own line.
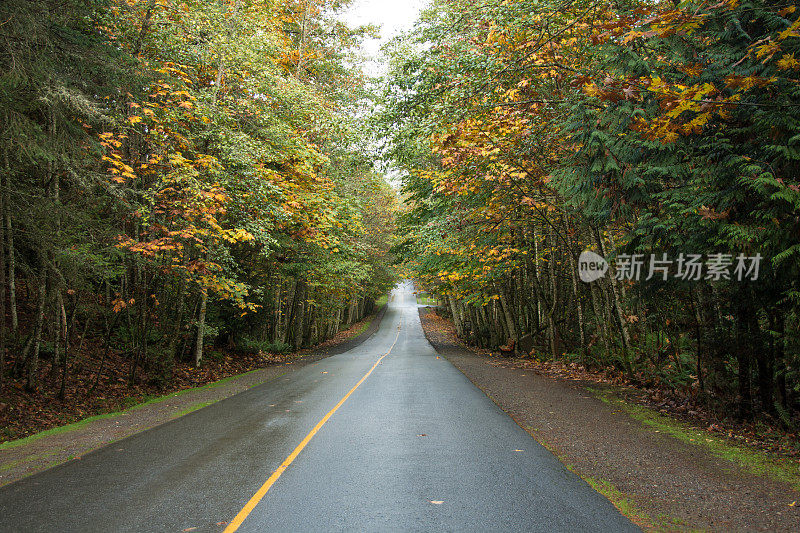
x=33 y=360
x=201 y=329
x=63 y=332
x=500 y=325
x=494 y=341
x=303 y=37
x=276 y=319
x=291 y=311
x=780 y=359
x=180 y=306
x=3 y=203
x=509 y=318
x=698 y=333
x=106 y=350
x=311 y=332
x=295 y=322
x=143 y=326
x=145 y=28
x=743 y=361
x=456 y=316
x=299 y=327
x=576 y=291
x=617 y=305
x=12 y=282
x=764 y=362
x=597 y=309
x=56 y=330
x=83 y=335
x=555 y=338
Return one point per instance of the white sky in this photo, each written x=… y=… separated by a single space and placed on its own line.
x=393 y=16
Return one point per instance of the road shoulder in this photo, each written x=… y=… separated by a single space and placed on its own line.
x=22 y=458
x=657 y=480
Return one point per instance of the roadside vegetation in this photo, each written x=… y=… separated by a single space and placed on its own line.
x=775 y=467
x=528 y=132
x=184 y=195
x=187 y=191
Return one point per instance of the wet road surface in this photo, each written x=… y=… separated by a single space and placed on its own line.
x=415 y=447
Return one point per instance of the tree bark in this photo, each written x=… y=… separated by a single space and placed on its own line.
x=297 y=337
x=780 y=359
x=764 y=362
x=276 y=320
x=576 y=291
x=3 y=202
x=743 y=359
x=201 y=329
x=303 y=37
x=509 y=318
x=291 y=311
x=494 y=341
x=33 y=360
x=698 y=333
x=64 y=334
x=145 y=27
x=617 y=304
x=12 y=282
x=180 y=306
x=456 y=317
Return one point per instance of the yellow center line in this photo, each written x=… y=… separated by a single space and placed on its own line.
x=259 y=495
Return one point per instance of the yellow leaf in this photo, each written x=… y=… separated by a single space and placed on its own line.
x=788 y=62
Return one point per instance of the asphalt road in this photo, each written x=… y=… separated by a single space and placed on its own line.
x=416 y=447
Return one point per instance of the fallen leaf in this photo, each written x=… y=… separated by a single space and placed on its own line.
x=793 y=503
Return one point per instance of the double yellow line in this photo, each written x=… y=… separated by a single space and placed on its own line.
x=259 y=495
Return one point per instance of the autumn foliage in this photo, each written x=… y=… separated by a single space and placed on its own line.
x=181 y=176
x=532 y=131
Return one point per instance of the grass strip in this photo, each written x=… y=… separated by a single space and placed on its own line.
x=755 y=462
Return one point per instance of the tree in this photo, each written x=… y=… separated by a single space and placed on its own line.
x=530 y=131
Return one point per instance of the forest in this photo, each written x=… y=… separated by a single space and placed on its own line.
x=188 y=185
x=662 y=136
x=180 y=180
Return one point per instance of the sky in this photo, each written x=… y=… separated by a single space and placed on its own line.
x=393 y=16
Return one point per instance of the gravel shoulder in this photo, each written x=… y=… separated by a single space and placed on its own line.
x=662 y=483
x=19 y=459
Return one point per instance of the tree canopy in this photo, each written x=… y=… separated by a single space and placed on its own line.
x=661 y=134
x=191 y=173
